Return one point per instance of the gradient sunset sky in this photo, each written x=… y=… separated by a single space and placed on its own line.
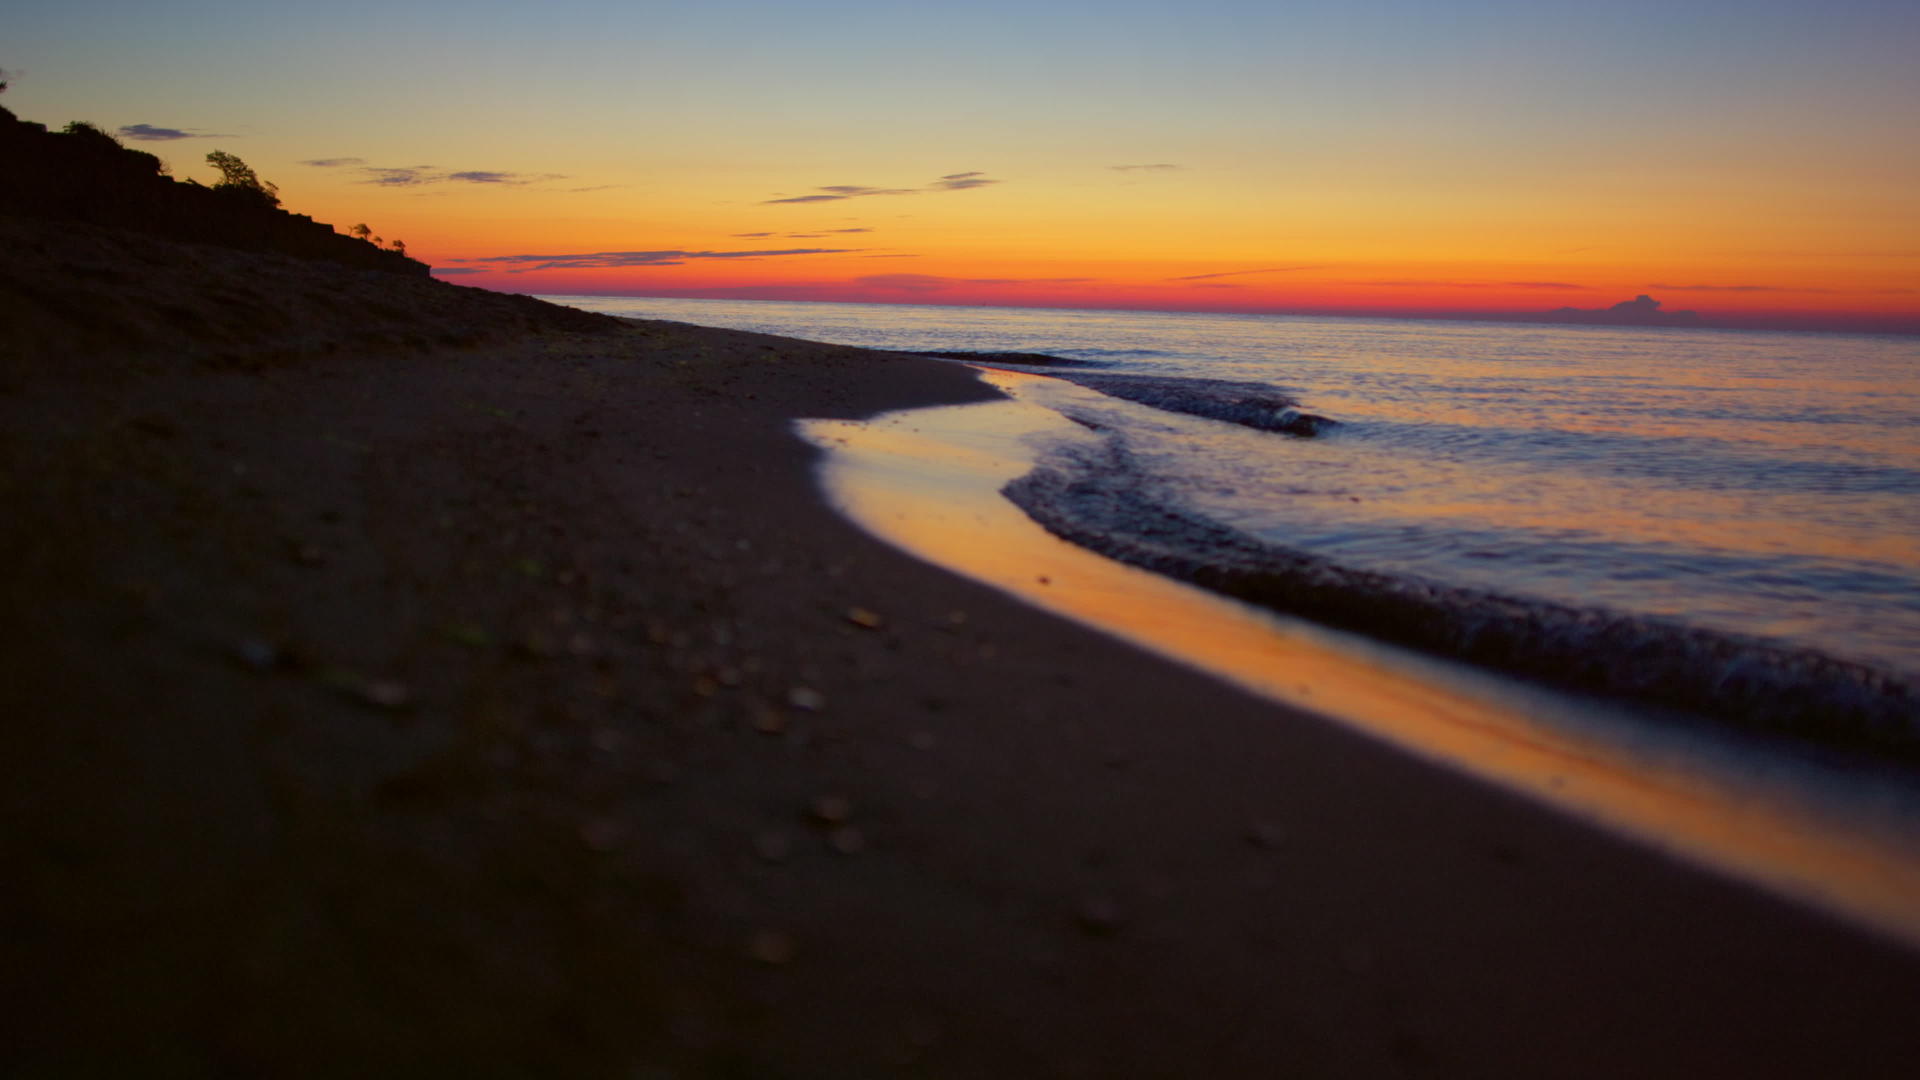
x=1756 y=159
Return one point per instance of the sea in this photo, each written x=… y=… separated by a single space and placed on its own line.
x=1717 y=520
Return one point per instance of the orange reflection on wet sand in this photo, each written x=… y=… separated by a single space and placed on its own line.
x=928 y=481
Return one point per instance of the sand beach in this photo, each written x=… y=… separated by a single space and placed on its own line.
x=402 y=679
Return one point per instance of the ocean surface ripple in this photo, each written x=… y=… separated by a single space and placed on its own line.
x=1727 y=518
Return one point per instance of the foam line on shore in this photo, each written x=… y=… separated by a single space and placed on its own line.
x=928 y=481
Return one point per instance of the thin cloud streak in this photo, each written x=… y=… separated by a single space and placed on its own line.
x=152 y=133
x=1549 y=285
x=931 y=283
x=961 y=181
x=1161 y=167
x=1778 y=288
x=426 y=175
x=604 y=260
x=1731 y=288
x=1238 y=273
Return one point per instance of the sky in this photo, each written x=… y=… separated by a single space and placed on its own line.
x=1756 y=161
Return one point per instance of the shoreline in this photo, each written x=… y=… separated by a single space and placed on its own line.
x=502 y=704
x=1832 y=832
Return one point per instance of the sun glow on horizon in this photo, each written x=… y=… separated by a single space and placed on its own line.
x=1753 y=162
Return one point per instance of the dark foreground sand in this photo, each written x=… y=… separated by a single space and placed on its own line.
x=385 y=697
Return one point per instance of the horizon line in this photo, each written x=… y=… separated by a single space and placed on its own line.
x=1903 y=326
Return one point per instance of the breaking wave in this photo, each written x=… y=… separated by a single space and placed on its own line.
x=1097 y=496
x=1253 y=405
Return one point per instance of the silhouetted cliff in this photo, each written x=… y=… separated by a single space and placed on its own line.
x=87 y=177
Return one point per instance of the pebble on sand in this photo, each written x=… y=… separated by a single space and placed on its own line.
x=1265 y=834
x=773 y=845
x=831 y=810
x=771 y=947
x=1099 y=916
x=386 y=694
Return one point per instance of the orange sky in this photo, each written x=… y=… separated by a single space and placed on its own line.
x=1752 y=161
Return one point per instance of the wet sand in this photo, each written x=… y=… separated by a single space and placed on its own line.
x=382 y=698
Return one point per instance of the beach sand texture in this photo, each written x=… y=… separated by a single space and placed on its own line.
x=398 y=677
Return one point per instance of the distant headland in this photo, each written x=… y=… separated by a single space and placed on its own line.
x=1642 y=310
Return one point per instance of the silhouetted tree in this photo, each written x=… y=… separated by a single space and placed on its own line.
x=361 y=232
x=237 y=178
x=92 y=133
x=400 y=246
x=3 y=81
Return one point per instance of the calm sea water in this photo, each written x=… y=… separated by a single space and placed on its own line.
x=1752 y=483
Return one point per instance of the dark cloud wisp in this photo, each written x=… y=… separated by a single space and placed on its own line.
x=153 y=133
x=1238 y=273
x=604 y=260
x=962 y=181
x=425 y=175
x=931 y=283
x=1550 y=285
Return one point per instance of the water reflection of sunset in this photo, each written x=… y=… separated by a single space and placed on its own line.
x=928 y=481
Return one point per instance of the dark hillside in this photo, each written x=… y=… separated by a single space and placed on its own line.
x=110 y=262
x=86 y=298
x=85 y=176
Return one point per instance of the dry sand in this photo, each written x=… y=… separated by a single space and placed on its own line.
x=399 y=692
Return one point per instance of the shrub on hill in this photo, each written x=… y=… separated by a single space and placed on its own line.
x=84 y=175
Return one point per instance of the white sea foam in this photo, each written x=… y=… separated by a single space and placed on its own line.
x=1759 y=485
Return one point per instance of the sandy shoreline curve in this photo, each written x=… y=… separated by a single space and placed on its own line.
x=401 y=677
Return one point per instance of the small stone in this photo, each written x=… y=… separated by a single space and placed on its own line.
x=386 y=694
x=769 y=722
x=771 y=947
x=1266 y=835
x=256 y=654
x=537 y=644
x=1358 y=957
x=847 y=840
x=773 y=846
x=861 y=617
x=806 y=699
x=1099 y=916
x=831 y=810
x=604 y=834
x=922 y=1032
x=921 y=740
